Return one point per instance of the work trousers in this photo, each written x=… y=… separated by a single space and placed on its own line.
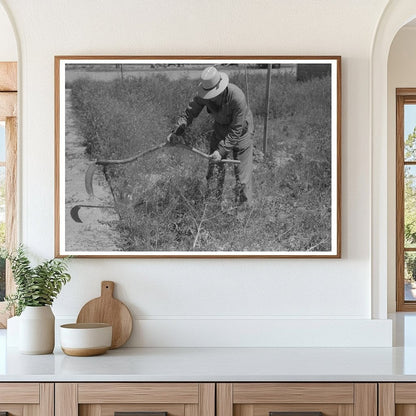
x=243 y=151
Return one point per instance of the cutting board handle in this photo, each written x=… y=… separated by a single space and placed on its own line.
x=107 y=289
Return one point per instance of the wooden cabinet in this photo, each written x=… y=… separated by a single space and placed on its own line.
x=208 y=399
x=397 y=399
x=27 y=399
x=108 y=399
x=264 y=399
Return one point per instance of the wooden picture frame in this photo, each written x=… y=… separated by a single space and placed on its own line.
x=126 y=187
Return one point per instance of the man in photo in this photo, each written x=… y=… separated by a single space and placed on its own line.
x=232 y=132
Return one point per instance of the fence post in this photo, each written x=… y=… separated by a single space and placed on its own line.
x=266 y=117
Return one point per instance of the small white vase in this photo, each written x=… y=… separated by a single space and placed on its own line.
x=37 y=330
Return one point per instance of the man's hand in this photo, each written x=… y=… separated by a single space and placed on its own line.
x=216 y=157
x=170 y=139
x=173 y=139
x=179 y=128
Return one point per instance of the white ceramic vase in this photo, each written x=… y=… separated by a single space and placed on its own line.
x=37 y=330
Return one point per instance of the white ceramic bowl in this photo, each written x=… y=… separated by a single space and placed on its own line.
x=85 y=339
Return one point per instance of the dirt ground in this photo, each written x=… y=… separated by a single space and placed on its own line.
x=97 y=232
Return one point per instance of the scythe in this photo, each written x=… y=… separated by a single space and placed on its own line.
x=89 y=175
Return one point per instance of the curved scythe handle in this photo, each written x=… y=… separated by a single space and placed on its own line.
x=89 y=175
x=130 y=159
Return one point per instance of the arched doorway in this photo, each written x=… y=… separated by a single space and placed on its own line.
x=401 y=97
x=396 y=15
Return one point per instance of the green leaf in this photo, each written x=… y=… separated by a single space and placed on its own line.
x=35 y=286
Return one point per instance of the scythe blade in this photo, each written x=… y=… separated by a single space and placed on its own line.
x=75 y=213
x=89 y=176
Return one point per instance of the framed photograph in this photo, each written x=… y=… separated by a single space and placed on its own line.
x=198 y=156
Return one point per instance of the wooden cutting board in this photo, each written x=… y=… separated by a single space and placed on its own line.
x=108 y=310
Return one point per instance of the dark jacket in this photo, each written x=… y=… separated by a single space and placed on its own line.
x=233 y=118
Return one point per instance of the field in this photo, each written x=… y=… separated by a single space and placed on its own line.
x=161 y=198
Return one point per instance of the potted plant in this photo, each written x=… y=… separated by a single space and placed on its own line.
x=36 y=289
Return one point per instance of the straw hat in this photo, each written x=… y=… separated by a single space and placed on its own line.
x=212 y=83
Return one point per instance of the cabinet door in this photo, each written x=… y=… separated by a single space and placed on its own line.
x=26 y=399
x=142 y=399
x=297 y=399
x=397 y=399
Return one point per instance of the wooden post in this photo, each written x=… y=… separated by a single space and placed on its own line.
x=247 y=91
x=266 y=117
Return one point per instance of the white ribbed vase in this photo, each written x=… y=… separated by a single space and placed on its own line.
x=37 y=330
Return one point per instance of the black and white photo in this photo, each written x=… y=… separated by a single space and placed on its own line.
x=198 y=157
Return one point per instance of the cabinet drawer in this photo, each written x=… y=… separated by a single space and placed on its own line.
x=138 y=393
x=296 y=399
x=145 y=399
x=251 y=393
x=19 y=393
x=21 y=399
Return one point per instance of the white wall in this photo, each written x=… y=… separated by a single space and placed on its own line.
x=8 y=46
x=202 y=302
x=401 y=74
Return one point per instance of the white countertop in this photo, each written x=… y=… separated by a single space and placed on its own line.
x=215 y=364
x=221 y=364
